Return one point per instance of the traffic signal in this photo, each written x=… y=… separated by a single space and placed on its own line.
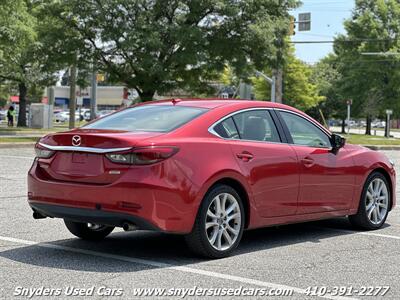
x=292 y=26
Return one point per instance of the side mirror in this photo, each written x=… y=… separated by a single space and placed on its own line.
x=337 y=142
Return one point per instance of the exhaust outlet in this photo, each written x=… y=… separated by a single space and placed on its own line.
x=37 y=215
x=129 y=226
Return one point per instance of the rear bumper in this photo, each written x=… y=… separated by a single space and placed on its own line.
x=95 y=216
x=151 y=197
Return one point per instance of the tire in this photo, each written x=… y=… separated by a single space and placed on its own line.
x=366 y=218
x=214 y=242
x=85 y=232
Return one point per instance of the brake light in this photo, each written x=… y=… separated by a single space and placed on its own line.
x=144 y=155
x=42 y=152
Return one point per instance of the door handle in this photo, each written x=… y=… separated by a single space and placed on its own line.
x=308 y=162
x=245 y=156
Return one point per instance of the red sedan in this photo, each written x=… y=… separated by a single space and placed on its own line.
x=208 y=169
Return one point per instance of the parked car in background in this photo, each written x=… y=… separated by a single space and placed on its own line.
x=63 y=116
x=334 y=122
x=86 y=115
x=352 y=123
x=3 y=115
x=362 y=123
x=207 y=169
x=378 y=124
x=103 y=113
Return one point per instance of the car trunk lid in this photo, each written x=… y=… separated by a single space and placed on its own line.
x=80 y=155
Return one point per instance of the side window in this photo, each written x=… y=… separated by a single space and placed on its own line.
x=256 y=125
x=305 y=133
x=227 y=129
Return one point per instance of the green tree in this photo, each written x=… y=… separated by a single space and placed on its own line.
x=299 y=91
x=157 y=45
x=35 y=45
x=22 y=53
x=327 y=78
x=371 y=81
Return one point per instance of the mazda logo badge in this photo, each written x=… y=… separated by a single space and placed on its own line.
x=76 y=140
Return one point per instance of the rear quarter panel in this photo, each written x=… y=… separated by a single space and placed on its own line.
x=204 y=161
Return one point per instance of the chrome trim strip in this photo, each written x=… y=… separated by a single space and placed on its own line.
x=323 y=129
x=84 y=149
x=211 y=128
x=213 y=132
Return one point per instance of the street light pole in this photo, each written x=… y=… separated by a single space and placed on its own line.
x=271 y=81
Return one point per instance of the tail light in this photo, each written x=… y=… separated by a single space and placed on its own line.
x=144 y=155
x=42 y=152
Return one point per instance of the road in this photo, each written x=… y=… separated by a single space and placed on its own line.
x=42 y=253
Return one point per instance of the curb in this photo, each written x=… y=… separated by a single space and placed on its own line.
x=382 y=147
x=17 y=145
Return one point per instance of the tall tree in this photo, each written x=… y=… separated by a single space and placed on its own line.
x=327 y=78
x=157 y=45
x=22 y=59
x=371 y=81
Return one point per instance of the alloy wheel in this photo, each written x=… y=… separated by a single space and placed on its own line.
x=223 y=221
x=377 y=201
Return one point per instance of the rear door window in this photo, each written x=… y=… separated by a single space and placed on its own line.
x=256 y=125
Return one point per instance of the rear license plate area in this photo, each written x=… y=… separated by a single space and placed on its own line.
x=79 y=158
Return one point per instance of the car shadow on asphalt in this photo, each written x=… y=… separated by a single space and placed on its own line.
x=165 y=248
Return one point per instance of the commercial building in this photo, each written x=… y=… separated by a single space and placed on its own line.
x=108 y=97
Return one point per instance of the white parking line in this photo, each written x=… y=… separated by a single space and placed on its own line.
x=169 y=266
x=16 y=156
x=380 y=235
x=362 y=233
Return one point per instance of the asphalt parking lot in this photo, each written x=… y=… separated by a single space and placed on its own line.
x=42 y=253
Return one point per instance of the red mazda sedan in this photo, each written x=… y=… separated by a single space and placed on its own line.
x=208 y=169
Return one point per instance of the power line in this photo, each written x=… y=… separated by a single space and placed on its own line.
x=344 y=41
x=312 y=42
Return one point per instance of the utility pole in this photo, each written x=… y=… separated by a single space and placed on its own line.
x=389 y=112
x=304 y=24
x=93 y=100
x=51 y=100
x=349 y=103
x=72 y=96
x=278 y=76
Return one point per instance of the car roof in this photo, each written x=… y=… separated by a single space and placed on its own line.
x=212 y=103
x=218 y=104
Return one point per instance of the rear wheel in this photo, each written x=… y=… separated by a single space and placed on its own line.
x=374 y=203
x=88 y=231
x=219 y=224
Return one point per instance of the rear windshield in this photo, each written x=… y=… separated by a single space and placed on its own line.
x=153 y=118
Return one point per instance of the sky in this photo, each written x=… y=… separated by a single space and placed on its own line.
x=327 y=18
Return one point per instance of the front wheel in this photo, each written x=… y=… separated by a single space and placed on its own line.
x=374 y=203
x=219 y=223
x=88 y=231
